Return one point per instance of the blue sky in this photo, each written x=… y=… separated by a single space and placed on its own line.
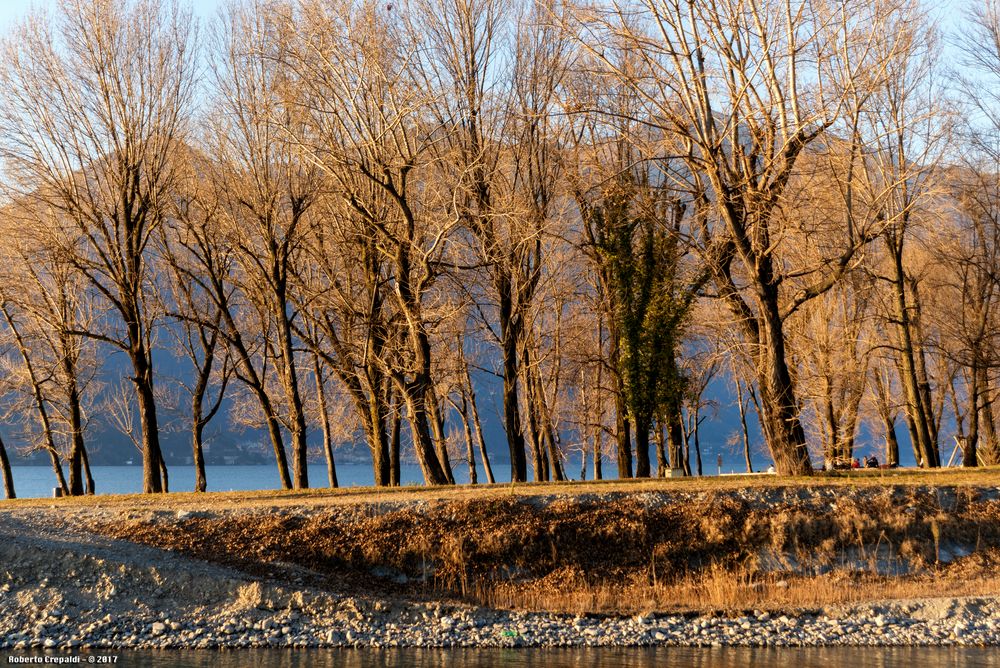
x=12 y=10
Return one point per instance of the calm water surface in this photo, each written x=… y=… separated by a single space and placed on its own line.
x=918 y=657
x=38 y=481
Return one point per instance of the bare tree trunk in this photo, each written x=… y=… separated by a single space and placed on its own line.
x=556 y=471
x=436 y=417
x=697 y=439
x=988 y=452
x=324 y=421
x=917 y=417
x=378 y=440
x=923 y=378
x=548 y=439
x=415 y=396
x=251 y=378
x=743 y=425
x=142 y=367
x=470 y=457
x=623 y=438
x=397 y=421
x=538 y=464
x=891 y=442
x=598 y=450
x=274 y=432
x=509 y=338
x=968 y=441
x=198 y=455
x=289 y=374
x=883 y=406
x=780 y=414
x=163 y=476
x=198 y=429
x=677 y=443
x=686 y=439
x=89 y=489
x=661 y=451
x=480 y=441
x=78 y=450
x=8 y=478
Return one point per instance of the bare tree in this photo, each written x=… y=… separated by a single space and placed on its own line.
x=94 y=102
x=46 y=305
x=740 y=91
x=903 y=135
x=270 y=188
x=198 y=327
x=368 y=131
x=497 y=67
x=201 y=257
x=965 y=288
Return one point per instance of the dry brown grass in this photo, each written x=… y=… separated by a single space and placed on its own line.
x=731 y=591
x=716 y=549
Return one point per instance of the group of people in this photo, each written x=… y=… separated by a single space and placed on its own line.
x=870 y=462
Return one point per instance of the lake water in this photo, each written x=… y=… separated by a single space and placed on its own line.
x=38 y=481
x=667 y=657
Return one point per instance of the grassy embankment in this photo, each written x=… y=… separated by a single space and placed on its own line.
x=690 y=544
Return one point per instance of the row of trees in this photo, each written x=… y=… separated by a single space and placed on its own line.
x=338 y=212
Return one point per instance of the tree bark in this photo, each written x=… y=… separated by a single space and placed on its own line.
x=988 y=452
x=394 y=472
x=743 y=425
x=89 y=489
x=324 y=421
x=661 y=451
x=676 y=442
x=436 y=417
x=415 y=396
x=623 y=438
x=293 y=396
x=480 y=441
x=780 y=414
x=78 y=449
x=8 y=477
x=164 y=477
x=198 y=454
x=917 y=417
x=642 y=469
x=470 y=457
x=378 y=440
x=509 y=341
x=150 y=445
x=198 y=429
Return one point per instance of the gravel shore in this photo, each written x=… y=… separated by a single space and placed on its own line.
x=63 y=587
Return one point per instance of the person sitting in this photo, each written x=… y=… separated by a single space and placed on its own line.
x=871 y=462
x=855 y=464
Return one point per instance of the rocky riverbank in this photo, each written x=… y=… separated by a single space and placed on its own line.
x=65 y=585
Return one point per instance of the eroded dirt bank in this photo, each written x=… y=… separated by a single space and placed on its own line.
x=769 y=565
x=550 y=551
